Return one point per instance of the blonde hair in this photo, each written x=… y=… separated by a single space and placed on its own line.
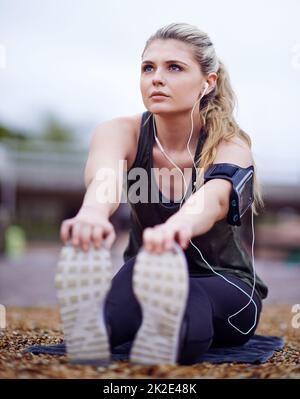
x=216 y=108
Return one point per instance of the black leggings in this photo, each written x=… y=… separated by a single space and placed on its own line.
x=211 y=301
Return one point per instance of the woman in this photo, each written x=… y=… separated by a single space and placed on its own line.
x=169 y=301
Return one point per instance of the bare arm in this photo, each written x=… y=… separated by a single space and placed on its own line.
x=212 y=199
x=203 y=208
x=111 y=146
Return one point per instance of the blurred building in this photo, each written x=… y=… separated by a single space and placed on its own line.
x=41 y=187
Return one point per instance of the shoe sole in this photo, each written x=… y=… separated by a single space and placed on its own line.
x=82 y=282
x=161 y=285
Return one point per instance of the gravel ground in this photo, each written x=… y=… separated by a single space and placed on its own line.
x=29 y=326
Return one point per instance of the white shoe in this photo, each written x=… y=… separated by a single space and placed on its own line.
x=82 y=281
x=161 y=284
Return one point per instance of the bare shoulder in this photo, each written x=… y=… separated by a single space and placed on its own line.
x=119 y=135
x=129 y=124
x=112 y=140
x=234 y=141
x=234 y=151
x=124 y=124
x=135 y=122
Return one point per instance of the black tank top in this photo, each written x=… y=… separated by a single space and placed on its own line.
x=221 y=246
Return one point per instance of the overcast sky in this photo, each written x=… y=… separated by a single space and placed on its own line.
x=81 y=61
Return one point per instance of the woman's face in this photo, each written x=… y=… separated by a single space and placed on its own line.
x=168 y=66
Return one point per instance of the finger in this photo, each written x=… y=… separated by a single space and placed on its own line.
x=76 y=234
x=169 y=238
x=184 y=237
x=108 y=234
x=97 y=236
x=147 y=239
x=85 y=237
x=104 y=234
x=65 y=230
x=110 y=237
x=158 y=240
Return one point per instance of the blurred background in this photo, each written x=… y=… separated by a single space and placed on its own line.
x=68 y=65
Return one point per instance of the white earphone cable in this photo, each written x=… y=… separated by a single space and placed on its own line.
x=252 y=224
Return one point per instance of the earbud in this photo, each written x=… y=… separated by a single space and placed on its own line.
x=206 y=85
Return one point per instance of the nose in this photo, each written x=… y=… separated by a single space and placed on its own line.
x=158 y=77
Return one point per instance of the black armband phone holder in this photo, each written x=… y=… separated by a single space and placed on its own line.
x=241 y=196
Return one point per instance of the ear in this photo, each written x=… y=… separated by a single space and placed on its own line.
x=212 y=81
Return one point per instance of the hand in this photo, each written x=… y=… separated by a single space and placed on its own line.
x=87 y=228
x=162 y=237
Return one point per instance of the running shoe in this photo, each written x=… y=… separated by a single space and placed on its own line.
x=161 y=285
x=83 y=280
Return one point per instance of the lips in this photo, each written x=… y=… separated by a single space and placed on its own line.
x=158 y=93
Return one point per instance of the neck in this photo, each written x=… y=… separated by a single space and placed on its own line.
x=173 y=130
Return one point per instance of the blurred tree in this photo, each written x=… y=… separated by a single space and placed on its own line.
x=6 y=133
x=51 y=129
x=55 y=130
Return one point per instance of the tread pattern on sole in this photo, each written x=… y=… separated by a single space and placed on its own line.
x=161 y=284
x=83 y=280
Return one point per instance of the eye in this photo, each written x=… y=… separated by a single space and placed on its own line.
x=176 y=66
x=144 y=68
